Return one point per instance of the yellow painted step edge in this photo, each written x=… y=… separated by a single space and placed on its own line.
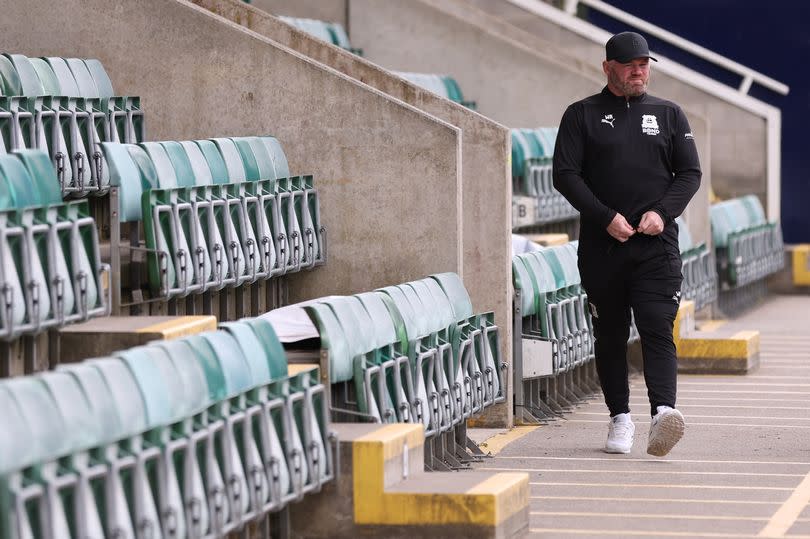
x=182 y=326
x=742 y=345
x=488 y=503
x=801 y=265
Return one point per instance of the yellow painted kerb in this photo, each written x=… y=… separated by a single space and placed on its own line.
x=495 y=444
x=486 y=504
x=182 y=326
x=740 y=346
x=801 y=265
x=391 y=439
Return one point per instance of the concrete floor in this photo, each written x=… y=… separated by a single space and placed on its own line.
x=741 y=470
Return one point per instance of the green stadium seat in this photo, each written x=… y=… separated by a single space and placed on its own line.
x=50 y=84
x=66 y=107
x=211 y=219
x=698 y=268
x=532 y=151
x=391 y=347
x=442 y=85
x=69 y=486
x=415 y=352
x=11 y=84
x=127 y=401
x=551 y=307
x=422 y=357
x=74 y=121
x=485 y=342
x=49 y=249
x=329 y=32
x=748 y=248
x=100 y=78
x=280 y=164
x=30 y=83
x=48 y=438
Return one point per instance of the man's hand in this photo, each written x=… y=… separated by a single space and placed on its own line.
x=651 y=223
x=620 y=229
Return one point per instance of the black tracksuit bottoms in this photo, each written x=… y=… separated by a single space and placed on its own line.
x=644 y=274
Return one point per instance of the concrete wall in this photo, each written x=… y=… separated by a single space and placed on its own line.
x=738 y=137
x=697 y=212
x=509 y=73
x=388 y=174
x=486 y=185
x=324 y=10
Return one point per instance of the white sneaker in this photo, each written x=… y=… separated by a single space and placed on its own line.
x=620 y=434
x=666 y=429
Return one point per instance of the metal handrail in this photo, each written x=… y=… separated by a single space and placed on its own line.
x=749 y=75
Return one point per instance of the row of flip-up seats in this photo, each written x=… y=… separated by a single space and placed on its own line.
x=50 y=268
x=187 y=438
x=532 y=153
x=699 y=271
x=747 y=247
x=443 y=85
x=414 y=353
x=217 y=213
x=331 y=32
x=552 y=307
x=66 y=107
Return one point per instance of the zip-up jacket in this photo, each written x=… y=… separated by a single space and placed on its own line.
x=627 y=155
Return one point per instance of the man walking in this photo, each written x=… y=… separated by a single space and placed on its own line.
x=628 y=162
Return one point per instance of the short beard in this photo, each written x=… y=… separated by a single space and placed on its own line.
x=629 y=90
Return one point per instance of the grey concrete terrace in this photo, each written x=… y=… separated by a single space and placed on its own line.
x=741 y=470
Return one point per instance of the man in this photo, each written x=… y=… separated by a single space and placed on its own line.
x=628 y=162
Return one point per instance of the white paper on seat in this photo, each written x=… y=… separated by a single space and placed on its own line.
x=291 y=323
x=521 y=244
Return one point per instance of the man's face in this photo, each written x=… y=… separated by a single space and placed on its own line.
x=628 y=79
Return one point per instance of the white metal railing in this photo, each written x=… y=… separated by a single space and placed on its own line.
x=749 y=75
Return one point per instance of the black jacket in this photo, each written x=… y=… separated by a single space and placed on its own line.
x=615 y=154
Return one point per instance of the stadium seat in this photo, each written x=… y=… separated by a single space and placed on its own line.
x=49 y=249
x=66 y=107
x=415 y=352
x=698 y=268
x=216 y=214
x=192 y=437
x=532 y=151
x=747 y=247
x=551 y=307
x=443 y=85
x=331 y=32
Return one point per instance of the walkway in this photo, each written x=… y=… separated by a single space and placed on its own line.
x=742 y=469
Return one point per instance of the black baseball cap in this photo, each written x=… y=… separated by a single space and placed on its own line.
x=626 y=46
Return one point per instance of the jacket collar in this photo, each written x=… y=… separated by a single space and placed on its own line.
x=620 y=98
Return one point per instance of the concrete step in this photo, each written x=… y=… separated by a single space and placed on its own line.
x=102 y=336
x=383 y=491
x=715 y=349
